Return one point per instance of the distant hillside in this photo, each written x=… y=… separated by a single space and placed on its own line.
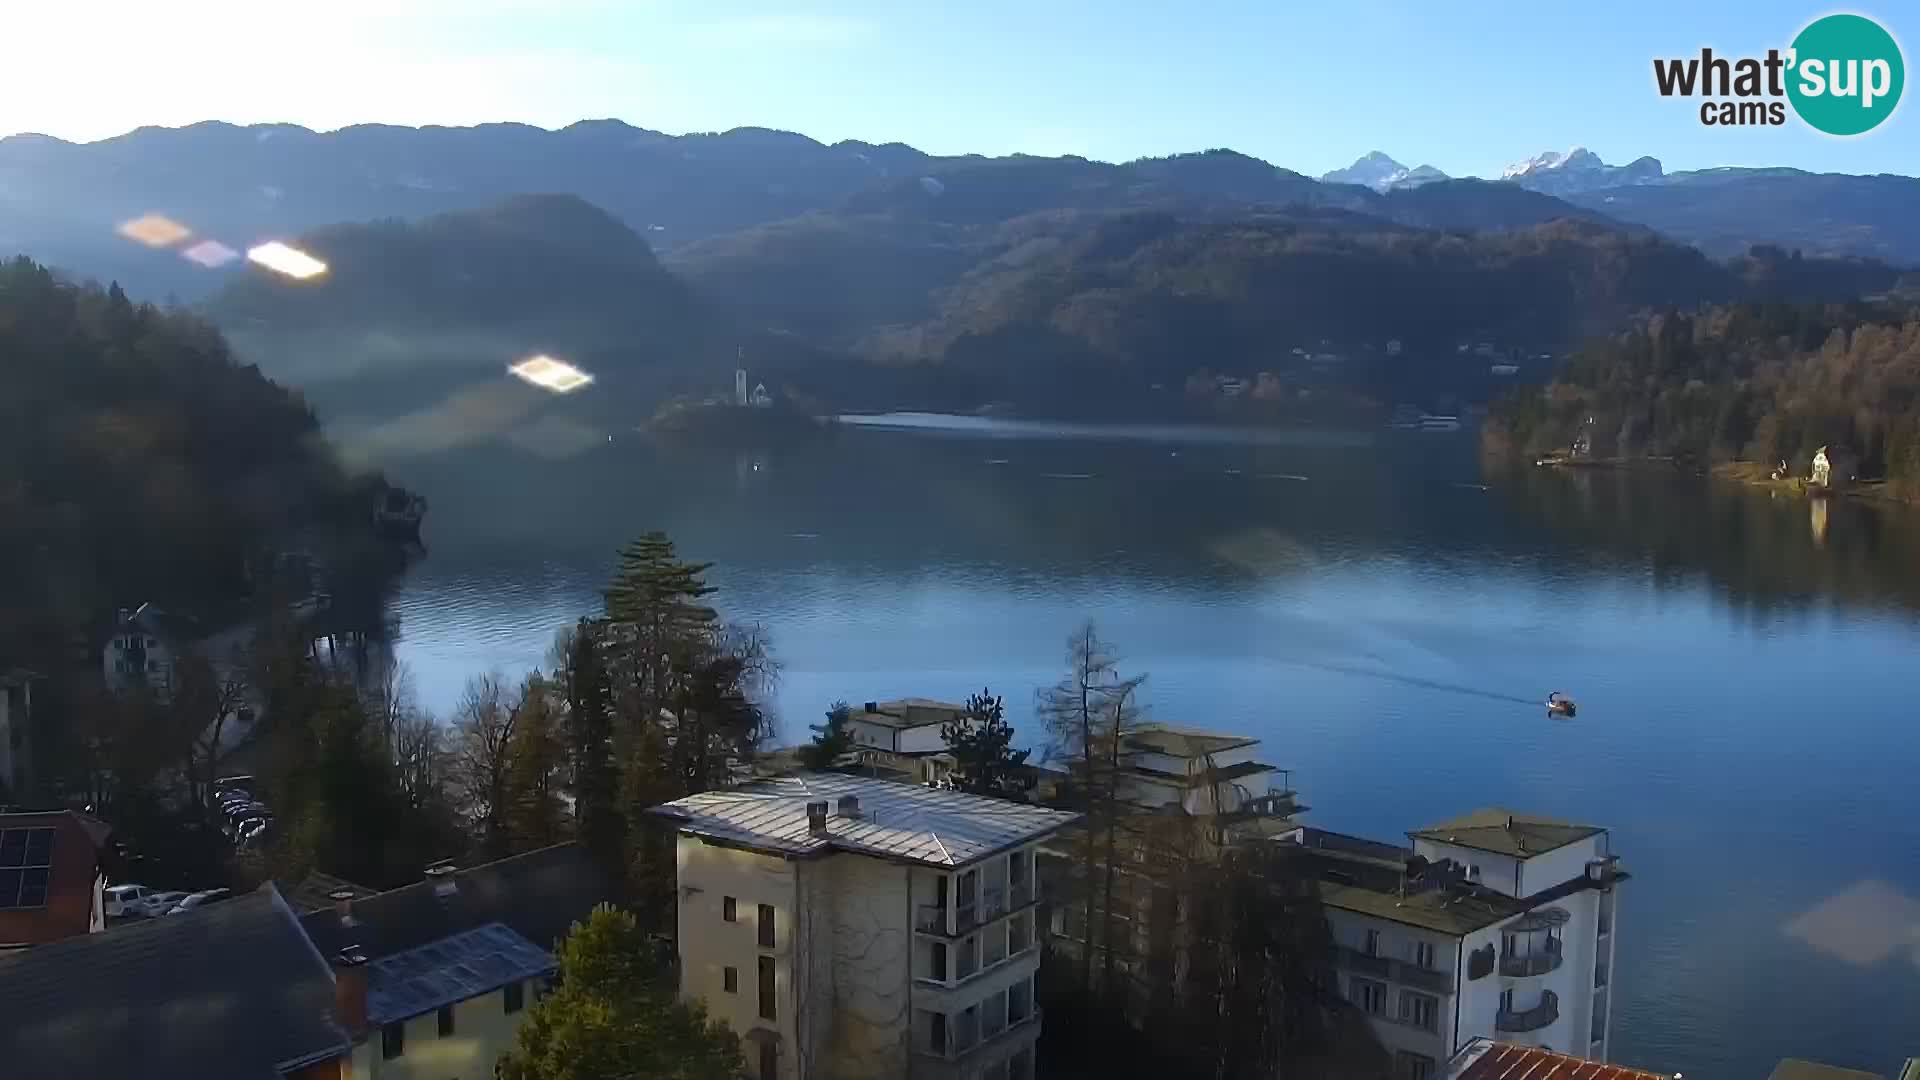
x=1763 y=382
x=139 y=461
x=409 y=313
x=1723 y=211
x=1128 y=302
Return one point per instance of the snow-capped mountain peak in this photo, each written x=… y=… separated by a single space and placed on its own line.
x=1381 y=173
x=1579 y=169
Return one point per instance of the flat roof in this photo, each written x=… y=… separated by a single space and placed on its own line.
x=900 y=821
x=1799 y=1069
x=1177 y=740
x=907 y=712
x=1441 y=910
x=1506 y=832
x=1223 y=774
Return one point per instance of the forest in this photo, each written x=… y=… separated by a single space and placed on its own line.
x=140 y=462
x=1759 y=382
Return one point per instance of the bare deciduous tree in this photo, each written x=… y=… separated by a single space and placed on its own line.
x=1088 y=713
x=481 y=763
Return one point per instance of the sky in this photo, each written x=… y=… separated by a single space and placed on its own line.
x=1463 y=85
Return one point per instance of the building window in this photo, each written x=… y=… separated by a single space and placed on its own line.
x=730 y=980
x=1423 y=955
x=393 y=1040
x=1019 y=933
x=727 y=909
x=446 y=1020
x=766 y=926
x=515 y=997
x=26 y=860
x=1410 y=1066
x=1420 y=1010
x=1370 y=996
x=1373 y=943
x=1506 y=1000
x=767 y=1010
x=937 y=1033
x=769 y=1060
x=1020 y=1000
x=939 y=971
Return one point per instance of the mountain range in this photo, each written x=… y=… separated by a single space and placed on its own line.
x=62 y=201
x=874 y=275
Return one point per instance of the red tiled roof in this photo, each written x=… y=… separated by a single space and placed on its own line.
x=1503 y=1062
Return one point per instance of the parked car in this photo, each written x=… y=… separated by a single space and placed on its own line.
x=199 y=899
x=125 y=900
x=161 y=902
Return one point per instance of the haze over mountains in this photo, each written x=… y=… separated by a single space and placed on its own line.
x=874 y=275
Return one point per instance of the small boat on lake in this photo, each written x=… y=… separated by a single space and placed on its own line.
x=1559 y=704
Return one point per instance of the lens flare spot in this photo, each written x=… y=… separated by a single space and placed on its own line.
x=286 y=259
x=549 y=374
x=155 y=231
x=211 y=254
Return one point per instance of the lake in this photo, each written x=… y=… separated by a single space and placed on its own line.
x=1379 y=609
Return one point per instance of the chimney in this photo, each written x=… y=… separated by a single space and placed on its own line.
x=817 y=818
x=342 y=905
x=441 y=874
x=350 y=990
x=849 y=806
x=873 y=706
x=1509 y=822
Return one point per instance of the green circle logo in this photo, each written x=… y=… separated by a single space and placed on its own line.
x=1846 y=74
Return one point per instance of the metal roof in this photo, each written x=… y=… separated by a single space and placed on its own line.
x=908 y=713
x=452 y=969
x=900 y=821
x=1484 y=1059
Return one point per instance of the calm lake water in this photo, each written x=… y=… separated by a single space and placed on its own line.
x=1381 y=612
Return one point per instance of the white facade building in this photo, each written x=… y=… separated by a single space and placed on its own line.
x=1495 y=925
x=1202 y=772
x=860 y=928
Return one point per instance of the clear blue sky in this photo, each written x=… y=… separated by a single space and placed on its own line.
x=1461 y=85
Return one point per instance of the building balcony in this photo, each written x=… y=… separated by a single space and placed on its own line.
x=1382 y=967
x=962 y=1046
x=1540 y=1016
x=1532 y=962
x=992 y=905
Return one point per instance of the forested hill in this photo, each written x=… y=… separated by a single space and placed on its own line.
x=1108 y=309
x=1759 y=382
x=411 y=312
x=139 y=462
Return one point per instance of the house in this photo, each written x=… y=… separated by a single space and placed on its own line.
x=143 y=648
x=760 y=398
x=16 y=732
x=904 y=737
x=1199 y=794
x=1491 y=925
x=1484 y=1059
x=1503 y=370
x=438 y=974
x=1201 y=772
x=230 y=989
x=1833 y=467
x=51 y=883
x=860 y=928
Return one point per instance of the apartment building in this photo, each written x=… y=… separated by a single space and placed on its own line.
x=1197 y=794
x=433 y=980
x=1494 y=925
x=857 y=928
